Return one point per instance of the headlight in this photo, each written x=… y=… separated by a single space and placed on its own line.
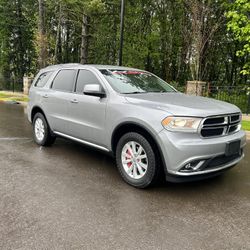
x=182 y=124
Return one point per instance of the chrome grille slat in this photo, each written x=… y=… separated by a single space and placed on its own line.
x=211 y=127
x=215 y=127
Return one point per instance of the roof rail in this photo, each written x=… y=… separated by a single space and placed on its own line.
x=65 y=65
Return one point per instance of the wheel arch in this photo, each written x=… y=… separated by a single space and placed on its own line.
x=126 y=127
x=37 y=109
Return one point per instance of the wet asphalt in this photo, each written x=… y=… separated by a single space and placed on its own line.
x=71 y=197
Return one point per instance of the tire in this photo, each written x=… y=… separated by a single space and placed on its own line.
x=126 y=162
x=45 y=137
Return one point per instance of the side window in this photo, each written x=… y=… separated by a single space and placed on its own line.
x=42 y=79
x=64 y=80
x=85 y=77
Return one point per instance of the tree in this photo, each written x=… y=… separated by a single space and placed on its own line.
x=16 y=39
x=83 y=9
x=239 y=24
x=177 y=40
x=204 y=23
x=42 y=39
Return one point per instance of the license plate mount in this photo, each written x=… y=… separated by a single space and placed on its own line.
x=232 y=148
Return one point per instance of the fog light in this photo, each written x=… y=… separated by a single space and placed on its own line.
x=192 y=166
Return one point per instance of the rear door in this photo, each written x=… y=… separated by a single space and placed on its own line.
x=87 y=113
x=57 y=99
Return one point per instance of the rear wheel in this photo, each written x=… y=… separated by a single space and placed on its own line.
x=41 y=131
x=136 y=160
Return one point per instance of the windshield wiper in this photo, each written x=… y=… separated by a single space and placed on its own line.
x=161 y=91
x=135 y=92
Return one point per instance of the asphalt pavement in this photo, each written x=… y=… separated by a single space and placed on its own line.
x=71 y=197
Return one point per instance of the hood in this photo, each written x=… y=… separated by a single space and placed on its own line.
x=182 y=105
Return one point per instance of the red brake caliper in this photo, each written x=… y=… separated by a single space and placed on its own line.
x=127 y=158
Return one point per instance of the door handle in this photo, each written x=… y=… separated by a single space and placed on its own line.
x=74 y=101
x=45 y=96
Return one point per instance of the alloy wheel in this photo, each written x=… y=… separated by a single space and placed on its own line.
x=39 y=129
x=134 y=160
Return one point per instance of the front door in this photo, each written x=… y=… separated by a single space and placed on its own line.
x=87 y=113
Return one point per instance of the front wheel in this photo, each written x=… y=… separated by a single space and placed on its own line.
x=41 y=131
x=136 y=160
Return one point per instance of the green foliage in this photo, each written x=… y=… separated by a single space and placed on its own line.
x=239 y=24
x=157 y=37
x=240 y=99
x=17 y=51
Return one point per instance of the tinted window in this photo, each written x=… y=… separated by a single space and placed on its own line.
x=42 y=79
x=64 y=80
x=85 y=77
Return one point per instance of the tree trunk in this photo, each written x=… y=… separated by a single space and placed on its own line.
x=20 y=39
x=114 y=46
x=58 y=46
x=42 y=36
x=85 y=41
x=66 y=42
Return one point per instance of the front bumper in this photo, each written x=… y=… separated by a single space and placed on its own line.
x=180 y=149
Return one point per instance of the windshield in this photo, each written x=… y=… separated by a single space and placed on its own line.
x=133 y=82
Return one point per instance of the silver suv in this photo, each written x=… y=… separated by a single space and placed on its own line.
x=148 y=126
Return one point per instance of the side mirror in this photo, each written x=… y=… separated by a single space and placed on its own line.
x=94 y=90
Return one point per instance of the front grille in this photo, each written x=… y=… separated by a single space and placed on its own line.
x=220 y=125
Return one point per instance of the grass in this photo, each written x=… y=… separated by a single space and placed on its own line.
x=8 y=96
x=246 y=125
